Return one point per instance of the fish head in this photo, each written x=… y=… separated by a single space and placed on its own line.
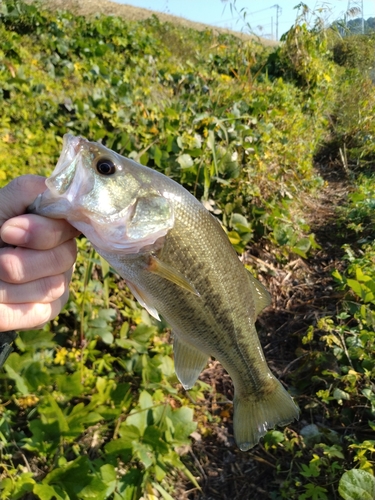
x=112 y=200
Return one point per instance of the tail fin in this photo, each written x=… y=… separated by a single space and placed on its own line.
x=253 y=418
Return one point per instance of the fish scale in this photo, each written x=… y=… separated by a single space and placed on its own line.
x=179 y=263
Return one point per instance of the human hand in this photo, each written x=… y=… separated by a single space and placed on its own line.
x=36 y=269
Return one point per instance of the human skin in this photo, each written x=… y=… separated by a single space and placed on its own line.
x=37 y=256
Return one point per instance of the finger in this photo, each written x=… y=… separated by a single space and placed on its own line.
x=43 y=291
x=34 y=231
x=30 y=316
x=16 y=196
x=22 y=265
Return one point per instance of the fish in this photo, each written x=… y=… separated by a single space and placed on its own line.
x=179 y=264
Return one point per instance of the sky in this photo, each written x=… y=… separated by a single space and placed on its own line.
x=261 y=15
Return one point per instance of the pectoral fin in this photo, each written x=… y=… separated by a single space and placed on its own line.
x=166 y=271
x=143 y=300
x=262 y=297
x=188 y=361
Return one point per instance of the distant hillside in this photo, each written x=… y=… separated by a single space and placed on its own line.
x=93 y=7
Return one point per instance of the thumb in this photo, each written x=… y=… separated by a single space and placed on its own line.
x=16 y=196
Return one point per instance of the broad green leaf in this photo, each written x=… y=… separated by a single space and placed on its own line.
x=234 y=237
x=144 y=453
x=337 y=275
x=340 y=395
x=18 y=487
x=120 y=448
x=96 y=489
x=357 y=484
x=183 y=424
x=185 y=161
x=129 y=432
x=47 y=492
x=108 y=473
x=20 y=382
x=56 y=412
x=72 y=478
x=355 y=286
x=142 y=333
x=70 y=384
x=303 y=244
x=154 y=437
x=129 y=485
x=36 y=376
x=272 y=438
x=29 y=340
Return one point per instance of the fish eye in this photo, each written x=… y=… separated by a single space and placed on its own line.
x=105 y=166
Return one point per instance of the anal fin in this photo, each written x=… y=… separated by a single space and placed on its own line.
x=143 y=300
x=188 y=361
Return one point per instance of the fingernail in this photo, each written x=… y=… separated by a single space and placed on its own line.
x=14 y=235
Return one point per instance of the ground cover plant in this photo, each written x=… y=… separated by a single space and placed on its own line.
x=277 y=143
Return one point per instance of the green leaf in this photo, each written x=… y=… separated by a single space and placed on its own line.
x=142 y=333
x=18 y=487
x=162 y=491
x=183 y=424
x=20 y=382
x=55 y=412
x=272 y=438
x=29 y=341
x=340 y=395
x=357 y=484
x=129 y=485
x=185 y=161
x=234 y=237
x=70 y=384
x=36 y=376
x=96 y=489
x=337 y=276
x=303 y=244
x=47 y=492
x=154 y=437
x=120 y=448
x=108 y=473
x=355 y=286
x=73 y=478
x=144 y=453
x=315 y=492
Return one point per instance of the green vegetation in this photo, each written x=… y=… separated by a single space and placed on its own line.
x=90 y=407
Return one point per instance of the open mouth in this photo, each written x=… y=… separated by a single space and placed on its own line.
x=63 y=185
x=63 y=174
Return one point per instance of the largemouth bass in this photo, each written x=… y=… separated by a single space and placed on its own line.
x=179 y=263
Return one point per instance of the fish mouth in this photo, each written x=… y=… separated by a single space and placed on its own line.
x=56 y=200
x=72 y=146
x=60 y=179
